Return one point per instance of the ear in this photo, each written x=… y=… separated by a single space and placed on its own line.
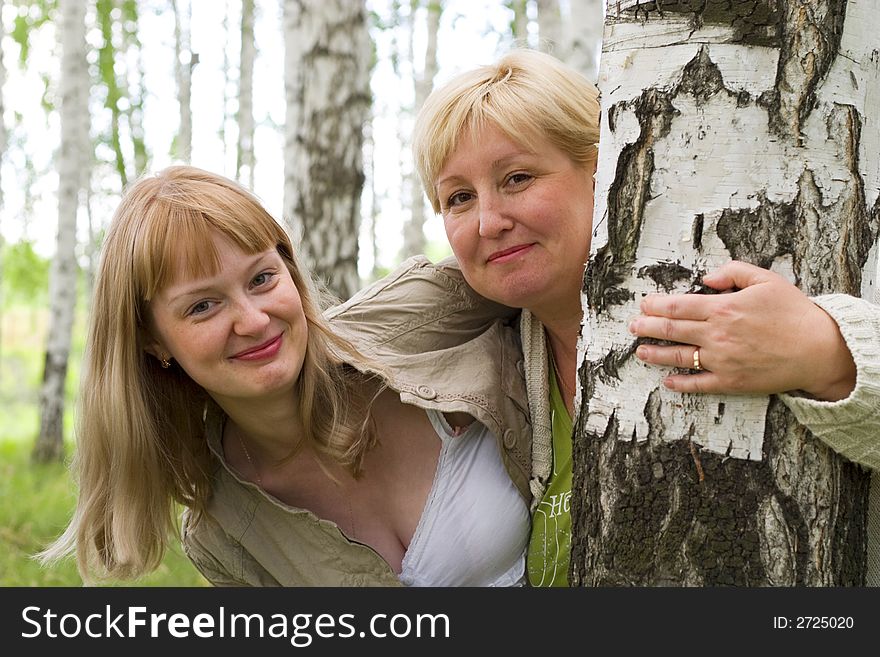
x=153 y=347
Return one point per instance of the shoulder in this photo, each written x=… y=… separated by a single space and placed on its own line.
x=417 y=306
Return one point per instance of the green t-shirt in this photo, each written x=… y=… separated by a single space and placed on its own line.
x=550 y=542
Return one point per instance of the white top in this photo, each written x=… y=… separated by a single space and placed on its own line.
x=474 y=528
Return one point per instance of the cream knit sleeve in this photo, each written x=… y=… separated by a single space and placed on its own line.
x=850 y=426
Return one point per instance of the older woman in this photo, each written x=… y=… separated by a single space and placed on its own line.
x=212 y=380
x=507 y=153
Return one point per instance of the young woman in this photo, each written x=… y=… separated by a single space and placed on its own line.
x=212 y=380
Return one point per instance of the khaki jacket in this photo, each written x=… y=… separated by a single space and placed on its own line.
x=451 y=351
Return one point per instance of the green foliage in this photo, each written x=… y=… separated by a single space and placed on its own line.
x=32 y=15
x=44 y=498
x=118 y=24
x=436 y=250
x=25 y=274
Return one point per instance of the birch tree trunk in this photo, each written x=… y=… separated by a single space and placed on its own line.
x=550 y=26
x=520 y=24
x=244 y=164
x=328 y=102
x=73 y=93
x=730 y=130
x=414 y=229
x=3 y=142
x=184 y=61
x=582 y=34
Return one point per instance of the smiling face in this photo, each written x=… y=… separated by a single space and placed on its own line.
x=240 y=332
x=518 y=220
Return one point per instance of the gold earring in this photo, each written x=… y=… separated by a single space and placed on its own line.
x=165 y=363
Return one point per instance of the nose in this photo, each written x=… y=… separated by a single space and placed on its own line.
x=250 y=318
x=494 y=219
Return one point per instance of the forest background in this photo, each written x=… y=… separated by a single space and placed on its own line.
x=198 y=81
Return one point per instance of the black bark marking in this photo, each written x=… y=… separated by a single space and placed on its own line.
x=697 y=232
x=810 y=39
x=666 y=274
x=760 y=235
x=604 y=280
x=608 y=269
x=609 y=368
x=754 y=22
x=675 y=529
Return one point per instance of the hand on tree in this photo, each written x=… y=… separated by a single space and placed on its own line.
x=765 y=337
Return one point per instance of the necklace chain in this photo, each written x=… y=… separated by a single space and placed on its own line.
x=352 y=526
x=250 y=460
x=561 y=379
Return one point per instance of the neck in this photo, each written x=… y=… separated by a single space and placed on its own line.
x=562 y=338
x=270 y=428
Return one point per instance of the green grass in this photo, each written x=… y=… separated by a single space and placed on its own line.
x=36 y=502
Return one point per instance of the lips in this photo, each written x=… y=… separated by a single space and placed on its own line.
x=261 y=351
x=507 y=253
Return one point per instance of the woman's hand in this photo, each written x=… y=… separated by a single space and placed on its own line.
x=766 y=337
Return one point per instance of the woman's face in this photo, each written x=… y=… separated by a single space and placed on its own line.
x=519 y=222
x=240 y=334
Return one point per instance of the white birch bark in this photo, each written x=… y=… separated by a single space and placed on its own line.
x=73 y=94
x=328 y=102
x=743 y=131
x=244 y=167
x=413 y=234
x=184 y=62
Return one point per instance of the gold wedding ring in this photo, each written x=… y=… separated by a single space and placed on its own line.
x=697 y=365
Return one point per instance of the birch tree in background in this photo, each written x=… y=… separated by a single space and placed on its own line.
x=729 y=130
x=3 y=134
x=519 y=27
x=184 y=61
x=3 y=142
x=327 y=59
x=73 y=94
x=582 y=35
x=550 y=27
x=413 y=230
x=244 y=162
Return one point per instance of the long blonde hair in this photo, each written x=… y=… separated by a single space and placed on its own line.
x=527 y=94
x=141 y=442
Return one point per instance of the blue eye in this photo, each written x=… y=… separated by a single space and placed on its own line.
x=200 y=308
x=458 y=198
x=519 y=178
x=263 y=278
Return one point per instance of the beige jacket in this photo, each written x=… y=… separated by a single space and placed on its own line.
x=441 y=346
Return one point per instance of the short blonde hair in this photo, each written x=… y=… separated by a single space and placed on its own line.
x=141 y=443
x=527 y=94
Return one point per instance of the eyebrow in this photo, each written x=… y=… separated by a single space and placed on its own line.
x=501 y=161
x=208 y=288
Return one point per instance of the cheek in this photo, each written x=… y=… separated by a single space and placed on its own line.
x=457 y=235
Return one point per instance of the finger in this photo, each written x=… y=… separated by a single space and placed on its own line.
x=678 y=306
x=736 y=274
x=703 y=383
x=673 y=330
x=681 y=356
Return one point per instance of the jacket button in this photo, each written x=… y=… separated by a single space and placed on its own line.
x=521 y=368
x=509 y=438
x=426 y=392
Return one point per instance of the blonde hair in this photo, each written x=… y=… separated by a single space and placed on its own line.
x=527 y=94
x=141 y=443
